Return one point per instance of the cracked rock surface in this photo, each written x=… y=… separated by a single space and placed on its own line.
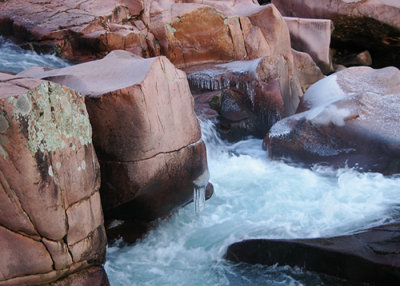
x=145 y=132
x=49 y=176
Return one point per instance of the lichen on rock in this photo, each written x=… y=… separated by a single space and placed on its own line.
x=53 y=114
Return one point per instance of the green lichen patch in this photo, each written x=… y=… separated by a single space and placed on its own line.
x=53 y=114
x=3 y=123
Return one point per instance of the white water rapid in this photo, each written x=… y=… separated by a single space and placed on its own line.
x=14 y=59
x=254 y=198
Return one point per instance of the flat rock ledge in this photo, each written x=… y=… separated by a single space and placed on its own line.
x=370 y=257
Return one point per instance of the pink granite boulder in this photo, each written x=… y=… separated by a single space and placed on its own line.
x=49 y=177
x=145 y=132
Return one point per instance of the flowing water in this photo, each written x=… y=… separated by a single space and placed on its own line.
x=254 y=198
x=14 y=59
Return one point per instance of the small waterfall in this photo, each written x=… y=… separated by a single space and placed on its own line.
x=199 y=199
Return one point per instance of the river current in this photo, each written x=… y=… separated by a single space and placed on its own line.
x=254 y=198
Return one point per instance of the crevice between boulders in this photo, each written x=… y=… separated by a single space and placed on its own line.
x=157 y=154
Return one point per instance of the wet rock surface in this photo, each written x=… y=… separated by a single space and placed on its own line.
x=145 y=132
x=49 y=177
x=253 y=95
x=351 y=121
x=371 y=256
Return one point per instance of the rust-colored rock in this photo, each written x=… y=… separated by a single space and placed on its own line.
x=254 y=94
x=47 y=167
x=145 y=132
x=352 y=121
x=193 y=33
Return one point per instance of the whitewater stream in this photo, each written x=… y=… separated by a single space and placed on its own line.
x=254 y=198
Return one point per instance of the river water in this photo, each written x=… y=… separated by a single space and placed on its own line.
x=254 y=198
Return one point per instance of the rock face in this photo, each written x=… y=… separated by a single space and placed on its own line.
x=254 y=94
x=145 y=132
x=352 y=120
x=75 y=30
x=372 y=25
x=312 y=36
x=371 y=256
x=194 y=34
x=51 y=221
x=187 y=32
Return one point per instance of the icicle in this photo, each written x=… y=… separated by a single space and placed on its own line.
x=199 y=199
x=199 y=192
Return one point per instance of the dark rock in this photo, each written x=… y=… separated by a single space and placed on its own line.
x=95 y=276
x=361 y=59
x=370 y=257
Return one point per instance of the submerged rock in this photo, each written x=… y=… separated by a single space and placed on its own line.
x=51 y=221
x=351 y=120
x=371 y=257
x=145 y=132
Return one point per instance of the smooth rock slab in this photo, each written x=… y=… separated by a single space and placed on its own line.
x=312 y=36
x=372 y=256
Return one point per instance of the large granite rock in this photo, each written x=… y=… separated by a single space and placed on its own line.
x=351 y=119
x=372 y=25
x=371 y=257
x=192 y=33
x=51 y=221
x=253 y=94
x=78 y=31
x=145 y=132
x=187 y=32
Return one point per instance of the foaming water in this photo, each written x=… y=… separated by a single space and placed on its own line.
x=14 y=59
x=254 y=198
